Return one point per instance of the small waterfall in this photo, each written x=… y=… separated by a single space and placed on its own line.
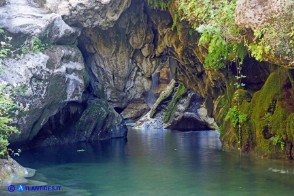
x=151 y=96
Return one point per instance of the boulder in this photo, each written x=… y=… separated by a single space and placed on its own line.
x=43 y=83
x=274 y=20
x=178 y=109
x=99 y=122
x=12 y=173
x=190 y=114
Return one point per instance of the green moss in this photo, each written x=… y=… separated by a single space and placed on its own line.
x=163 y=96
x=269 y=119
x=290 y=127
x=172 y=105
x=223 y=103
x=241 y=96
x=94 y=116
x=268 y=116
x=222 y=107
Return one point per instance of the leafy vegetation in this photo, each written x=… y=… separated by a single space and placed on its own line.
x=223 y=40
x=29 y=46
x=37 y=45
x=7 y=111
x=236 y=116
x=8 y=108
x=5 y=46
x=259 y=47
x=159 y=4
x=215 y=21
x=278 y=140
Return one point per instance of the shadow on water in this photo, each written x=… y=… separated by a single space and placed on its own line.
x=156 y=162
x=74 y=153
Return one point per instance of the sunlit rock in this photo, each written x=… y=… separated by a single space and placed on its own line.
x=88 y=13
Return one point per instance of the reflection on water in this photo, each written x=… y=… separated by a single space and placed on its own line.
x=157 y=162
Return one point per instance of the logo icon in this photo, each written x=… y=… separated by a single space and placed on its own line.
x=20 y=188
x=11 y=188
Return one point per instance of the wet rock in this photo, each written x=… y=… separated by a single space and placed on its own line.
x=37 y=3
x=11 y=172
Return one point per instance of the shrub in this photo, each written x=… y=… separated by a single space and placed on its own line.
x=7 y=112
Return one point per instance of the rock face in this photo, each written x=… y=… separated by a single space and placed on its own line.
x=217 y=87
x=50 y=79
x=135 y=109
x=2 y=2
x=90 y=121
x=115 y=57
x=253 y=13
x=88 y=13
x=18 y=17
x=271 y=18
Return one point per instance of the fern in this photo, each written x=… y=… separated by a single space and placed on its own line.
x=236 y=116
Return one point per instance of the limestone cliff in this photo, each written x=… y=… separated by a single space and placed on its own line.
x=46 y=73
x=104 y=55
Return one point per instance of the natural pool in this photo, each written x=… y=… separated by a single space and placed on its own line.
x=156 y=162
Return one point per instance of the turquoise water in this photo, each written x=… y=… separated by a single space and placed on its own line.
x=156 y=162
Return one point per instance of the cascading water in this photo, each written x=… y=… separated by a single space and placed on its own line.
x=151 y=96
x=160 y=79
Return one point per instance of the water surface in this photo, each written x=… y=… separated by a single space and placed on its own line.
x=157 y=162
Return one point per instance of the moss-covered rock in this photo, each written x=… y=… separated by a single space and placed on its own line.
x=172 y=105
x=163 y=96
x=99 y=122
x=269 y=129
x=274 y=22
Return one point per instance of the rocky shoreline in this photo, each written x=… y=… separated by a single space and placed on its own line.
x=13 y=173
